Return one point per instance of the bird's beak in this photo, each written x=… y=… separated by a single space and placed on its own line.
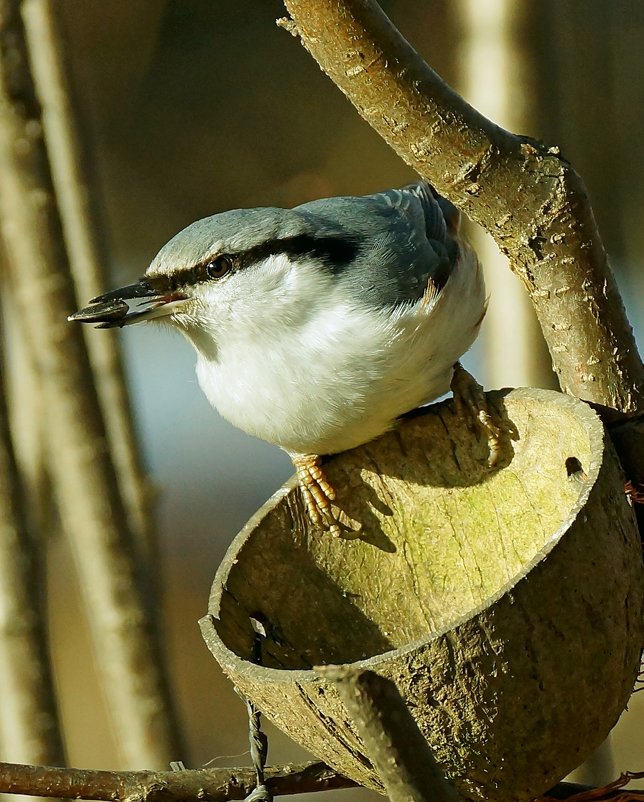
x=150 y=297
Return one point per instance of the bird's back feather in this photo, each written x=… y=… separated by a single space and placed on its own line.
x=404 y=240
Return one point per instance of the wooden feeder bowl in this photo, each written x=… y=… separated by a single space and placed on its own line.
x=505 y=603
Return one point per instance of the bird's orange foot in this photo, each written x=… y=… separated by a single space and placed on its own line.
x=318 y=494
x=470 y=401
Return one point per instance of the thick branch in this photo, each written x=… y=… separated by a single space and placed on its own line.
x=394 y=744
x=207 y=785
x=528 y=197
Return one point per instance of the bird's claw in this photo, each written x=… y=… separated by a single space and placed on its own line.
x=470 y=401
x=318 y=494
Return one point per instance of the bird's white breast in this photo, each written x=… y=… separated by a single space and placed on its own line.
x=290 y=358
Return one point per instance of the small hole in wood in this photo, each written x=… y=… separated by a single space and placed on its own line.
x=573 y=466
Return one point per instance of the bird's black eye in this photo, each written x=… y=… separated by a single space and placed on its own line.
x=219 y=267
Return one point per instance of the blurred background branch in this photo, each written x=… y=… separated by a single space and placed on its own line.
x=83 y=477
x=77 y=196
x=29 y=722
x=493 y=42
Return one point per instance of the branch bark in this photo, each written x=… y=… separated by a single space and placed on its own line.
x=207 y=785
x=394 y=744
x=526 y=195
x=217 y=785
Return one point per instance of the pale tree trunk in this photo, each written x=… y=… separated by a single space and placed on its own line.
x=29 y=723
x=495 y=72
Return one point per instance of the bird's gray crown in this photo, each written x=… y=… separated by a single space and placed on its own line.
x=250 y=235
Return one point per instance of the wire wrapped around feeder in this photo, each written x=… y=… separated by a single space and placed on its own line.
x=505 y=603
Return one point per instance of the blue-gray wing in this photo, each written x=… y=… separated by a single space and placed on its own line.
x=402 y=238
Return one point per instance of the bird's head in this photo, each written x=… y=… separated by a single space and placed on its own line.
x=225 y=269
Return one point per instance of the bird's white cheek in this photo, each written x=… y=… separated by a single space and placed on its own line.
x=194 y=320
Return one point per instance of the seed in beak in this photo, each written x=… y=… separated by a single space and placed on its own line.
x=101 y=311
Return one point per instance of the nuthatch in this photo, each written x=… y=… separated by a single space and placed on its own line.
x=317 y=327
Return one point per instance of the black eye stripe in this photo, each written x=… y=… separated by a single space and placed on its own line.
x=334 y=254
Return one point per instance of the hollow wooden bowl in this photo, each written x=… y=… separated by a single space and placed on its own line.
x=505 y=603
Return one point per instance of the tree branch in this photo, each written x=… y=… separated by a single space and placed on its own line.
x=395 y=746
x=527 y=196
x=219 y=785
x=207 y=785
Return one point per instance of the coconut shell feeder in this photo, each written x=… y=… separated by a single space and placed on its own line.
x=505 y=603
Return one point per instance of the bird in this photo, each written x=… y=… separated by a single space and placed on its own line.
x=317 y=327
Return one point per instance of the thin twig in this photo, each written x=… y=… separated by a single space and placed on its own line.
x=614 y=790
x=208 y=785
x=395 y=746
